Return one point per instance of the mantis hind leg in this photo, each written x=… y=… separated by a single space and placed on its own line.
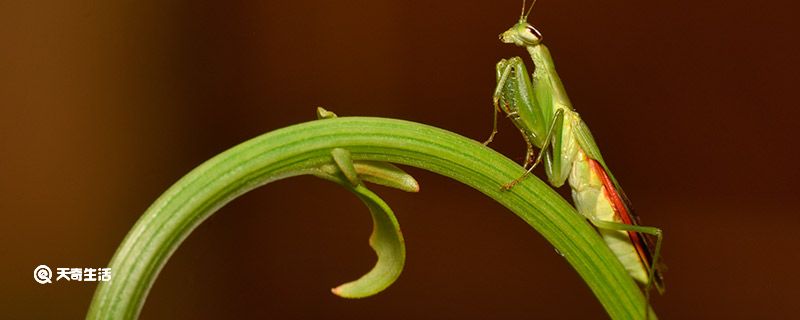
x=651 y=269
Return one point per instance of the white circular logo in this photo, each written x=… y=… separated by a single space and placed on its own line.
x=42 y=274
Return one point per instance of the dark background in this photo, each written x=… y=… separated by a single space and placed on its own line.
x=106 y=104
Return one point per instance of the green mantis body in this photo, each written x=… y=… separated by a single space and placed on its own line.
x=539 y=107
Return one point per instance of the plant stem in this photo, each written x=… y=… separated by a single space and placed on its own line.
x=302 y=149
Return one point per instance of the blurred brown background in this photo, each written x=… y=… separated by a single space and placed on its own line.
x=106 y=104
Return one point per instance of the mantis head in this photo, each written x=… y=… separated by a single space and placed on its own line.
x=522 y=33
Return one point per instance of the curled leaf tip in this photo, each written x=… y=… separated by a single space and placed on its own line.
x=412 y=184
x=325 y=114
x=387 y=242
x=386 y=174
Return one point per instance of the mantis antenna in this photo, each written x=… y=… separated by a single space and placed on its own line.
x=525 y=16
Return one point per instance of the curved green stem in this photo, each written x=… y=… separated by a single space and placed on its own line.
x=302 y=149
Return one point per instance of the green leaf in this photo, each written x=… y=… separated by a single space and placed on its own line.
x=386 y=239
x=303 y=149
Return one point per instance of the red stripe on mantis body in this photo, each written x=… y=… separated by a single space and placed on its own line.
x=622 y=212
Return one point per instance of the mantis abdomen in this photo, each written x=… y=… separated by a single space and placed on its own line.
x=595 y=200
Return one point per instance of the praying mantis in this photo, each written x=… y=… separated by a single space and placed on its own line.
x=539 y=107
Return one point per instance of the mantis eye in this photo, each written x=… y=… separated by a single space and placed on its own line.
x=534 y=32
